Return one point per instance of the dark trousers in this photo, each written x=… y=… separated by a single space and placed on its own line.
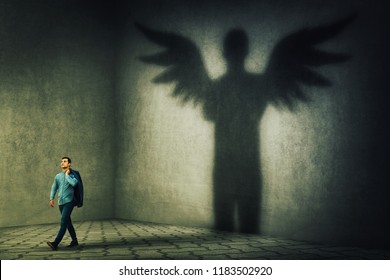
x=66 y=222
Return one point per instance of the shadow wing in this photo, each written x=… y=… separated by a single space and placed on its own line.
x=294 y=59
x=182 y=64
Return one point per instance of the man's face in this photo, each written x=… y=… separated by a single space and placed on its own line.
x=65 y=164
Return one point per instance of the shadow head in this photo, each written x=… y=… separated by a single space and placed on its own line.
x=236 y=46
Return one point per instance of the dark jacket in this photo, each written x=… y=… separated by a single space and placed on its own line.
x=78 y=190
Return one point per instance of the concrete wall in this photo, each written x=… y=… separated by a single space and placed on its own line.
x=56 y=99
x=321 y=165
x=71 y=84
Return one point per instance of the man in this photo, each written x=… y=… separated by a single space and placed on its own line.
x=69 y=186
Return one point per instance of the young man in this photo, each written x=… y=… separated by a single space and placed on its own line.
x=65 y=184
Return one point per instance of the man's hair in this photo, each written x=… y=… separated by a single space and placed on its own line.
x=69 y=160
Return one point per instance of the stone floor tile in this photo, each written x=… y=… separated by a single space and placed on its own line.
x=120 y=239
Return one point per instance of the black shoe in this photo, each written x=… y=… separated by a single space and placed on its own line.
x=74 y=243
x=52 y=245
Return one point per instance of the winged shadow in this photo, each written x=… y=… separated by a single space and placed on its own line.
x=236 y=102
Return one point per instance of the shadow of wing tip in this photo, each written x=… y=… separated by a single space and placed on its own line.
x=343 y=58
x=348 y=19
x=141 y=27
x=137 y=24
x=143 y=58
x=354 y=15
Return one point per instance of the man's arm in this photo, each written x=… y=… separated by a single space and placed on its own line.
x=72 y=180
x=53 y=192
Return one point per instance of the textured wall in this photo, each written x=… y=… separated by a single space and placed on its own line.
x=56 y=99
x=321 y=166
x=71 y=84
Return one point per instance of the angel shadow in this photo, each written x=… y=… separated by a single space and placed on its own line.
x=235 y=103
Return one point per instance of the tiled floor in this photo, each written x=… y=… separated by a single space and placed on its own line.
x=118 y=239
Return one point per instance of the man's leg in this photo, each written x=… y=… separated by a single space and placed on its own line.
x=72 y=233
x=66 y=211
x=71 y=229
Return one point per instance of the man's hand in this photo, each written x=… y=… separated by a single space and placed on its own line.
x=51 y=203
x=67 y=172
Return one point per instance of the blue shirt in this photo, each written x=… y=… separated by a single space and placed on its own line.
x=64 y=184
